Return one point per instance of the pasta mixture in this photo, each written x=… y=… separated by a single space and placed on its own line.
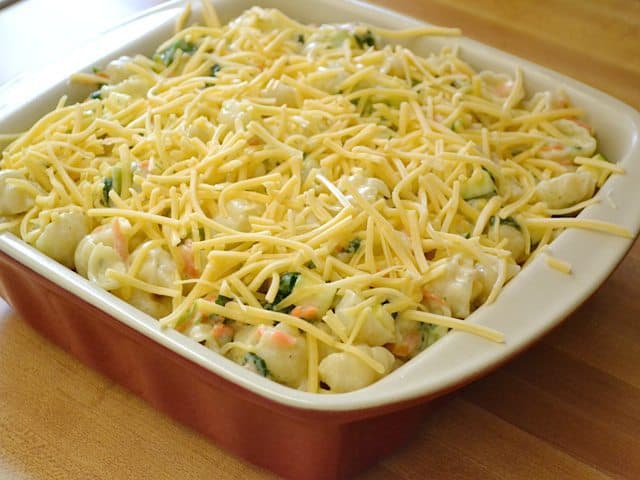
x=316 y=203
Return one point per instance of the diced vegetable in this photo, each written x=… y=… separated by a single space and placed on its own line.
x=106 y=188
x=285 y=287
x=215 y=69
x=222 y=333
x=479 y=185
x=167 y=55
x=353 y=245
x=365 y=39
x=287 y=282
x=222 y=300
x=307 y=312
x=309 y=296
x=257 y=363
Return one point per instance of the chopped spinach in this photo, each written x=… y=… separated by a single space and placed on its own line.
x=114 y=182
x=287 y=282
x=222 y=300
x=106 y=188
x=167 y=55
x=214 y=70
x=509 y=221
x=285 y=287
x=353 y=245
x=365 y=39
x=256 y=362
x=301 y=38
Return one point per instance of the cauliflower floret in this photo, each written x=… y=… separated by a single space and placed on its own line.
x=329 y=78
x=116 y=101
x=487 y=276
x=136 y=87
x=201 y=128
x=200 y=332
x=371 y=189
x=327 y=36
x=282 y=93
x=102 y=259
x=154 y=305
x=578 y=141
x=345 y=372
x=456 y=286
x=515 y=241
x=238 y=212
x=496 y=87
x=158 y=267
x=233 y=110
x=377 y=327
x=566 y=189
x=118 y=70
x=103 y=235
x=13 y=199
x=284 y=351
x=61 y=237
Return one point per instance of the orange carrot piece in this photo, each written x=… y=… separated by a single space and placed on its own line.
x=308 y=312
x=432 y=297
x=220 y=330
x=282 y=339
x=187 y=259
x=119 y=240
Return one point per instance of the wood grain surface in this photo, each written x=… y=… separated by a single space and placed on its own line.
x=567 y=408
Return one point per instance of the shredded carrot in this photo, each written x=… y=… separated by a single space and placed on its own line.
x=221 y=330
x=408 y=345
x=308 y=312
x=119 y=240
x=555 y=146
x=187 y=259
x=582 y=124
x=428 y=296
x=283 y=339
x=503 y=89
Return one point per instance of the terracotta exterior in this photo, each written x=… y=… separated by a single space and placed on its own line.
x=294 y=443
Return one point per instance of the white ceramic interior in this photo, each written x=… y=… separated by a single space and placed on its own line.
x=534 y=302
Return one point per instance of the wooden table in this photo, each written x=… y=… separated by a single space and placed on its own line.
x=568 y=408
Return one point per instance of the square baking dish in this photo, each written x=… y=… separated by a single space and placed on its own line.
x=298 y=434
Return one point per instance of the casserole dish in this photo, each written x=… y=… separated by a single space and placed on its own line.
x=308 y=421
